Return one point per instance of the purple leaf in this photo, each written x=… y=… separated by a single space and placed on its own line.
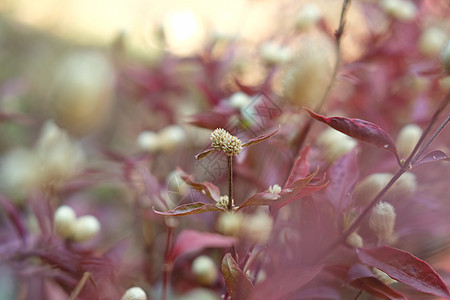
x=343 y=176
x=260 y=138
x=189 y=209
x=280 y=285
x=207 y=188
x=433 y=156
x=238 y=285
x=361 y=278
x=285 y=197
x=359 y=129
x=189 y=241
x=210 y=120
x=301 y=167
x=204 y=153
x=406 y=268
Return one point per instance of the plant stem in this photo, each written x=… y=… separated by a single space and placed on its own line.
x=167 y=267
x=230 y=182
x=76 y=292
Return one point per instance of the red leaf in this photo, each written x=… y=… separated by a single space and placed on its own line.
x=301 y=167
x=310 y=229
x=15 y=218
x=360 y=277
x=406 y=268
x=210 y=120
x=343 y=177
x=433 y=156
x=259 y=139
x=359 y=129
x=280 y=285
x=189 y=241
x=206 y=188
x=205 y=153
x=238 y=285
x=285 y=197
x=189 y=209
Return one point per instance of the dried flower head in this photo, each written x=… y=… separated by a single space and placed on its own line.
x=134 y=293
x=382 y=220
x=274 y=189
x=228 y=143
x=223 y=202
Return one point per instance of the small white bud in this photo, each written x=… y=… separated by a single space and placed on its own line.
x=274 y=54
x=383 y=276
x=275 y=189
x=205 y=270
x=85 y=228
x=64 y=221
x=369 y=187
x=334 y=144
x=171 y=136
x=403 y=10
x=432 y=41
x=445 y=56
x=355 y=240
x=148 y=141
x=407 y=138
x=134 y=293
x=257 y=228
x=229 y=223
x=239 y=100
x=308 y=16
x=382 y=220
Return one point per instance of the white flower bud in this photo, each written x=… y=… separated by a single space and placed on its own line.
x=85 y=228
x=445 y=56
x=205 y=270
x=383 y=276
x=229 y=223
x=305 y=81
x=134 y=293
x=432 y=41
x=403 y=10
x=369 y=187
x=407 y=139
x=239 y=100
x=223 y=202
x=382 y=220
x=257 y=228
x=148 y=141
x=274 y=54
x=403 y=188
x=334 y=144
x=223 y=140
x=308 y=16
x=170 y=137
x=64 y=221
x=275 y=189
x=82 y=95
x=355 y=240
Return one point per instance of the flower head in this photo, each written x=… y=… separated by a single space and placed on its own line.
x=228 y=143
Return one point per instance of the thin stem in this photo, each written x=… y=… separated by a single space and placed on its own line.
x=76 y=292
x=167 y=268
x=230 y=182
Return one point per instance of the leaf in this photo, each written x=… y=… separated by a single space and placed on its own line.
x=189 y=241
x=15 y=218
x=343 y=176
x=406 y=268
x=210 y=119
x=238 y=285
x=204 y=153
x=310 y=229
x=189 y=209
x=436 y=155
x=205 y=187
x=301 y=167
x=285 y=197
x=362 y=130
x=361 y=278
x=280 y=285
x=260 y=138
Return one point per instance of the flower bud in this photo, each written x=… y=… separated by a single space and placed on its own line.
x=64 y=221
x=445 y=57
x=223 y=202
x=257 y=228
x=404 y=187
x=148 y=141
x=85 y=228
x=134 y=293
x=170 y=137
x=407 y=139
x=355 y=240
x=239 y=100
x=223 y=140
x=275 y=189
x=382 y=220
x=305 y=81
x=369 y=187
x=205 y=270
x=432 y=41
x=308 y=16
x=229 y=223
x=274 y=54
x=403 y=10
x=334 y=144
